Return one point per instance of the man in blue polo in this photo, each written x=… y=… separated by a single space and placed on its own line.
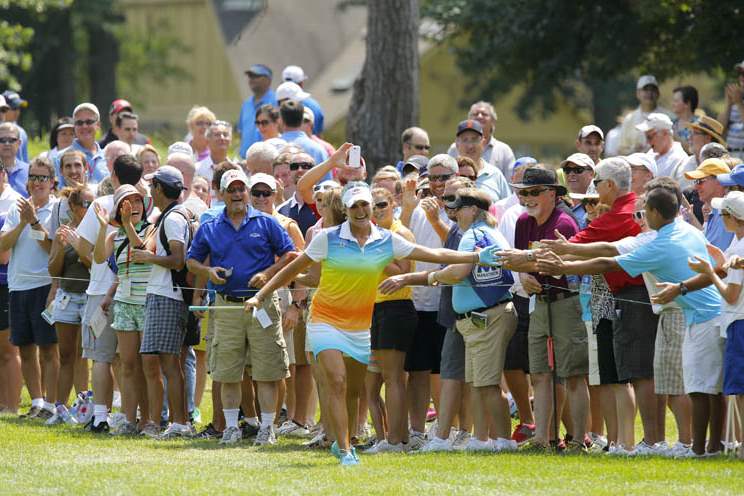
x=259 y=80
x=86 y=119
x=17 y=169
x=242 y=245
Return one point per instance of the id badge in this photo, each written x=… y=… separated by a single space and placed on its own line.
x=37 y=235
x=262 y=317
x=533 y=300
x=125 y=287
x=62 y=303
x=479 y=320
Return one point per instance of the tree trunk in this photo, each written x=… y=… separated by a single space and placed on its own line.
x=385 y=99
x=103 y=49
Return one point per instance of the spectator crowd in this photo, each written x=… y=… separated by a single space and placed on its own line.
x=477 y=287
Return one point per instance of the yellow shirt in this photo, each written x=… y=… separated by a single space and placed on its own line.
x=405 y=293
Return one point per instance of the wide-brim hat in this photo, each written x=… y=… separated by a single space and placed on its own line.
x=540 y=177
x=709 y=126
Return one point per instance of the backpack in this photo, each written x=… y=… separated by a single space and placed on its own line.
x=491 y=284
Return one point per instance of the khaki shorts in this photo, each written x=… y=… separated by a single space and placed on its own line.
x=485 y=348
x=240 y=342
x=569 y=338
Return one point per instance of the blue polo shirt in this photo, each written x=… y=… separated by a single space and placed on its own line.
x=23 y=148
x=310 y=147
x=580 y=213
x=313 y=105
x=299 y=212
x=97 y=170
x=666 y=259
x=18 y=177
x=248 y=250
x=247 y=120
x=715 y=231
x=492 y=181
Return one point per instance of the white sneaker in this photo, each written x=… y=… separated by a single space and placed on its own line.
x=175 y=431
x=384 y=446
x=416 y=440
x=598 y=440
x=677 y=450
x=460 y=439
x=116 y=420
x=617 y=450
x=116 y=400
x=231 y=435
x=501 y=445
x=474 y=445
x=292 y=429
x=265 y=436
x=643 y=449
x=435 y=444
x=431 y=429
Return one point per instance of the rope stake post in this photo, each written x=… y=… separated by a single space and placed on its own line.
x=551 y=364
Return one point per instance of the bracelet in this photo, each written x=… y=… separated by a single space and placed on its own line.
x=477 y=257
x=34 y=223
x=431 y=279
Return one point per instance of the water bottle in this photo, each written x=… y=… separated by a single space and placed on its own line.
x=64 y=414
x=85 y=411
x=573 y=283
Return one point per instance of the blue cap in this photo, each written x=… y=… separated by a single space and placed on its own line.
x=523 y=161
x=14 y=100
x=167 y=174
x=469 y=125
x=734 y=178
x=259 y=70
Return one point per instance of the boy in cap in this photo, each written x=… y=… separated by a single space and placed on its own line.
x=15 y=103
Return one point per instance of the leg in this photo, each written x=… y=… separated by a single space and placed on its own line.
x=419 y=396
x=10 y=368
x=520 y=390
x=609 y=411
x=700 y=418
x=661 y=403
x=542 y=383
x=740 y=406
x=154 y=378
x=173 y=371
x=201 y=376
x=596 y=419
x=281 y=397
x=625 y=404
x=230 y=393
x=355 y=373
x=303 y=384
x=717 y=417
x=464 y=415
x=218 y=416
x=333 y=369
x=82 y=373
x=69 y=344
x=188 y=365
x=248 y=396
x=480 y=418
x=435 y=385
x=129 y=356
x=267 y=393
x=49 y=359
x=578 y=397
x=373 y=385
x=103 y=383
x=31 y=370
x=289 y=395
x=395 y=396
x=681 y=407
x=647 y=405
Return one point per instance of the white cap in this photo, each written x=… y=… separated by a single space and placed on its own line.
x=645 y=80
x=261 y=178
x=294 y=73
x=231 y=176
x=580 y=159
x=591 y=192
x=643 y=160
x=591 y=128
x=180 y=147
x=291 y=91
x=732 y=203
x=87 y=106
x=656 y=121
x=356 y=191
x=3 y=103
x=308 y=114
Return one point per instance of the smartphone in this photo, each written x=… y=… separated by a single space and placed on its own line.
x=355 y=156
x=479 y=320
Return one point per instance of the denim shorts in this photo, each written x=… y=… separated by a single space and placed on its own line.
x=73 y=312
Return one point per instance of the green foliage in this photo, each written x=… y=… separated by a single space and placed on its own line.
x=554 y=47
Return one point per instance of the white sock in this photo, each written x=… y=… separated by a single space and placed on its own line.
x=100 y=414
x=49 y=407
x=231 y=416
x=267 y=419
x=252 y=421
x=37 y=402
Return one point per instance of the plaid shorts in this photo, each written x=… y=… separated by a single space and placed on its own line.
x=668 y=377
x=165 y=325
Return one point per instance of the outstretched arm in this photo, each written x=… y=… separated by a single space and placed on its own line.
x=282 y=278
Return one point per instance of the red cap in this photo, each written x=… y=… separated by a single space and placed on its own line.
x=119 y=105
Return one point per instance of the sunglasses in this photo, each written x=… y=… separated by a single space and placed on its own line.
x=235 y=189
x=575 y=170
x=382 y=205
x=261 y=193
x=8 y=140
x=448 y=198
x=34 y=178
x=472 y=178
x=597 y=181
x=322 y=187
x=639 y=214
x=701 y=180
x=532 y=192
x=85 y=122
x=439 y=178
x=303 y=165
x=264 y=122
x=421 y=147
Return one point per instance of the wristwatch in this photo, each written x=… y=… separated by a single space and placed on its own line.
x=683 y=290
x=431 y=279
x=530 y=256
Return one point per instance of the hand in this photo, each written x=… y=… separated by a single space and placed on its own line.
x=549 y=263
x=279 y=192
x=142 y=256
x=258 y=280
x=391 y=284
x=101 y=215
x=214 y=275
x=735 y=262
x=719 y=259
x=409 y=199
x=516 y=260
x=707 y=209
x=733 y=94
x=430 y=208
x=529 y=283
x=559 y=245
x=106 y=303
x=668 y=292
x=27 y=210
x=699 y=265
x=250 y=304
x=290 y=318
x=126 y=212
x=490 y=256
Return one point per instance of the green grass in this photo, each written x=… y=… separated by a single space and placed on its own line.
x=38 y=459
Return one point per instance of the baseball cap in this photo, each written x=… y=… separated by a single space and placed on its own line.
x=118 y=105
x=732 y=203
x=469 y=125
x=739 y=66
x=356 y=191
x=656 y=121
x=290 y=91
x=294 y=73
x=231 y=176
x=87 y=106
x=418 y=162
x=591 y=193
x=734 y=178
x=709 y=167
x=645 y=80
x=580 y=159
x=260 y=70
x=14 y=100
x=643 y=160
x=308 y=114
x=261 y=178
x=3 y=103
x=167 y=174
x=591 y=128
x=180 y=147
x=522 y=161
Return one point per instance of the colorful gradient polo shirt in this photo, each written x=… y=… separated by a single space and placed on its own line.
x=350 y=274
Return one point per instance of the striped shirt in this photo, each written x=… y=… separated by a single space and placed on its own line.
x=133 y=277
